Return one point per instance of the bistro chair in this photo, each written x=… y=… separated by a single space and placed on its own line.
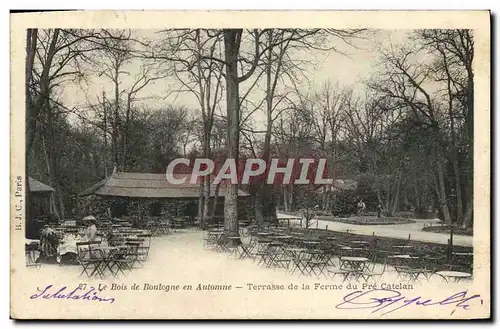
x=143 y=250
x=90 y=260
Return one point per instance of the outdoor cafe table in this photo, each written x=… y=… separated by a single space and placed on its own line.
x=359 y=242
x=311 y=243
x=463 y=254
x=454 y=275
x=353 y=263
x=403 y=247
x=283 y=237
x=403 y=259
x=462 y=257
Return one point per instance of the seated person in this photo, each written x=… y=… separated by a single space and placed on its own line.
x=91 y=232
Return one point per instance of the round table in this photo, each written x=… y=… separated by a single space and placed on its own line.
x=360 y=242
x=353 y=263
x=403 y=257
x=311 y=243
x=463 y=254
x=283 y=237
x=455 y=275
x=402 y=247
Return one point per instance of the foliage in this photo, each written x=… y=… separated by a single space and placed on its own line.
x=344 y=204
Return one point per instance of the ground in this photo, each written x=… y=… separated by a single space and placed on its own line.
x=400 y=231
x=180 y=260
x=446 y=230
x=368 y=220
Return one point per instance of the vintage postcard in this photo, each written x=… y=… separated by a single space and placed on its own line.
x=250 y=165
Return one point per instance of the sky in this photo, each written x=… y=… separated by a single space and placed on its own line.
x=348 y=69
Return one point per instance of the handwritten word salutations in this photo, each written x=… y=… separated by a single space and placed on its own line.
x=78 y=293
x=385 y=301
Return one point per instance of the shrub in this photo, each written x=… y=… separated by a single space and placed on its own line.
x=344 y=204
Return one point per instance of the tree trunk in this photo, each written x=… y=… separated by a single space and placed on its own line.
x=456 y=166
x=105 y=134
x=443 y=199
x=258 y=203
x=467 y=223
x=285 y=198
x=201 y=202
x=395 y=202
x=214 y=201
x=206 y=195
x=232 y=39
x=125 y=133
x=206 y=179
x=49 y=172
x=115 y=119
x=388 y=197
x=325 y=198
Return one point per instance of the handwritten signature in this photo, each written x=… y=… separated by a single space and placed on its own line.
x=388 y=301
x=78 y=293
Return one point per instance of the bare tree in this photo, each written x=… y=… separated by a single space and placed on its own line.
x=54 y=58
x=191 y=55
x=405 y=83
x=454 y=50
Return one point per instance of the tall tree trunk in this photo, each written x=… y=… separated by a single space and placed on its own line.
x=125 y=133
x=469 y=161
x=395 y=201
x=324 y=205
x=206 y=194
x=285 y=198
x=31 y=44
x=207 y=181
x=115 y=119
x=215 y=201
x=201 y=202
x=388 y=196
x=443 y=199
x=49 y=172
x=467 y=223
x=232 y=39
x=418 y=204
x=455 y=160
x=258 y=203
x=105 y=153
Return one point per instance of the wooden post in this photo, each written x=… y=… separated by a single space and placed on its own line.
x=326 y=229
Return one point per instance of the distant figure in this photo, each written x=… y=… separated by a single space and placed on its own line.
x=48 y=243
x=379 y=210
x=361 y=207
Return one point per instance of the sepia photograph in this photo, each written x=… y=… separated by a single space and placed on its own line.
x=198 y=169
